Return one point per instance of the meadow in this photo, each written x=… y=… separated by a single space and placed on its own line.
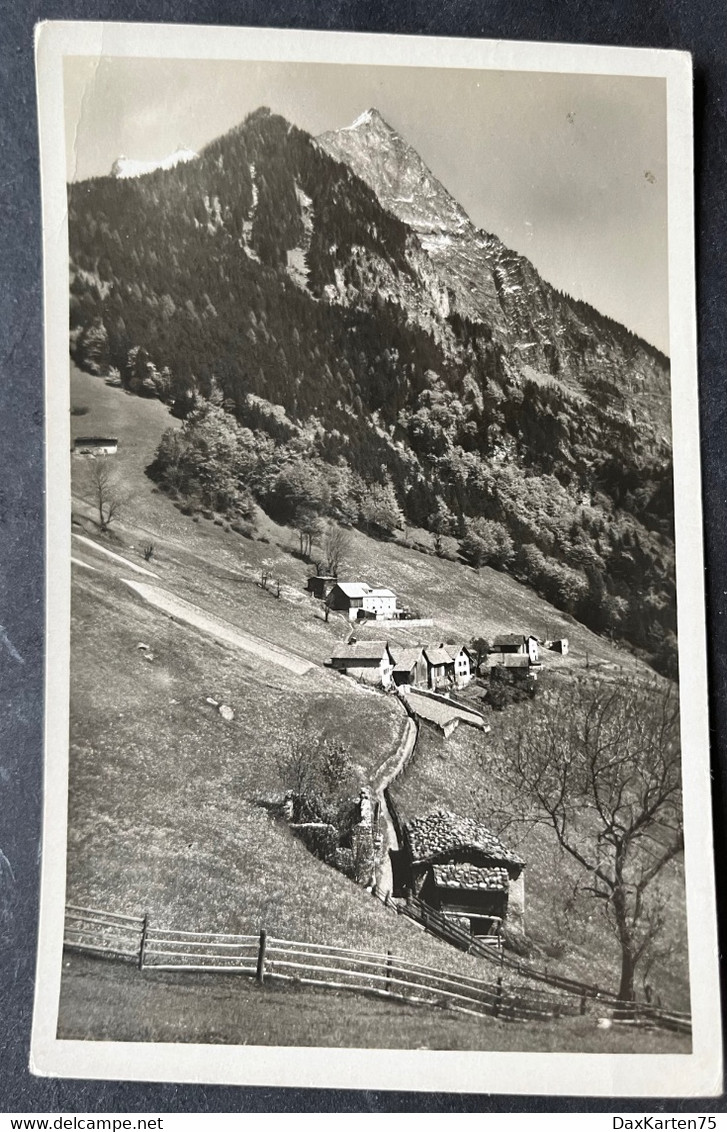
x=103 y=1001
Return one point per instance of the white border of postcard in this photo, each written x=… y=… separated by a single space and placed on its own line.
x=695 y=1074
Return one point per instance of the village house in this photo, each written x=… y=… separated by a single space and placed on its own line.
x=464 y=665
x=368 y=661
x=440 y=668
x=96 y=445
x=517 y=643
x=463 y=870
x=560 y=646
x=360 y=600
x=410 y=667
x=407 y=666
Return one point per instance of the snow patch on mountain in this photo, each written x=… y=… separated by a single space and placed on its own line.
x=125 y=167
x=364 y=119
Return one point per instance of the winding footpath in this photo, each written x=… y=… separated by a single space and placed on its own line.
x=389 y=770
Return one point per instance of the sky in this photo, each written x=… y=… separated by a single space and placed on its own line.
x=569 y=170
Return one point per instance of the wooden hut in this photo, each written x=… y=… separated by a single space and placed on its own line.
x=369 y=661
x=440 y=668
x=463 y=870
x=320 y=585
x=518 y=643
x=410 y=666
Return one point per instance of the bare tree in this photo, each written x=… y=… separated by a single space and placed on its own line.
x=601 y=766
x=105 y=491
x=336 y=545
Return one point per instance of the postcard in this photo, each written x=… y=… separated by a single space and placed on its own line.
x=376 y=737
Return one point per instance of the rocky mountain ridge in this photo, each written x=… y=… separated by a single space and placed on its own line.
x=540 y=330
x=407 y=188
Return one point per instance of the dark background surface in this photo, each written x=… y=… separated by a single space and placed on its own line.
x=698 y=26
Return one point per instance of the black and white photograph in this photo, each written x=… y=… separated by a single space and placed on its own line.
x=376 y=724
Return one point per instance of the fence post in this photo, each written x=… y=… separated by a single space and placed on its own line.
x=387 y=984
x=142 y=941
x=498 y=997
x=260 y=975
x=583 y=1003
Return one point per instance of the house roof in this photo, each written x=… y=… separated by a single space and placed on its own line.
x=509 y=639
x=354 y=589
x=441 y=833
x=438 y=655
x=405 y=659
x=362 y=650
x=379 y=593
x=485 y=879
x=435 y=711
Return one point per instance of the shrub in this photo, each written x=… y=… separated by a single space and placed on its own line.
x=508 y=687
x=247 y=530
x=487 y=543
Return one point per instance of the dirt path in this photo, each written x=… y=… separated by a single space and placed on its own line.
x=216 y=627
x=115 y=557
x=387 y=772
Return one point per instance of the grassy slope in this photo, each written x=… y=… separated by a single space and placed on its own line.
x=463 y=602
x=162 y=815
x=162 y=789
x=109 y=1001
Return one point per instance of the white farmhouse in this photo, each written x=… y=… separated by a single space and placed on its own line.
x=360 y=600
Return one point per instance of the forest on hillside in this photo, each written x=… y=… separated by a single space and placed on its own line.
x=266 y=296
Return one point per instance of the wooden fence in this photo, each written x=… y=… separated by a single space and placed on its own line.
x=104 y=933
x=485 y=947
x=268 y=958
x=391 y=976
x=444 y=929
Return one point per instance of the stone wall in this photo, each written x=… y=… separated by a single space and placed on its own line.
x=516 y=904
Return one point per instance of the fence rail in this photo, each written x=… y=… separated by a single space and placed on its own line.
x=268 y=958
x=487 y=947
x=199 y=951
x=493 y=950
x=106 y=933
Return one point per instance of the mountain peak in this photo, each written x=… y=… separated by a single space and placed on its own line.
x=370 y=117
x=406 y=187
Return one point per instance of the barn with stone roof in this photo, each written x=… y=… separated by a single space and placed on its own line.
x=463 y=870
